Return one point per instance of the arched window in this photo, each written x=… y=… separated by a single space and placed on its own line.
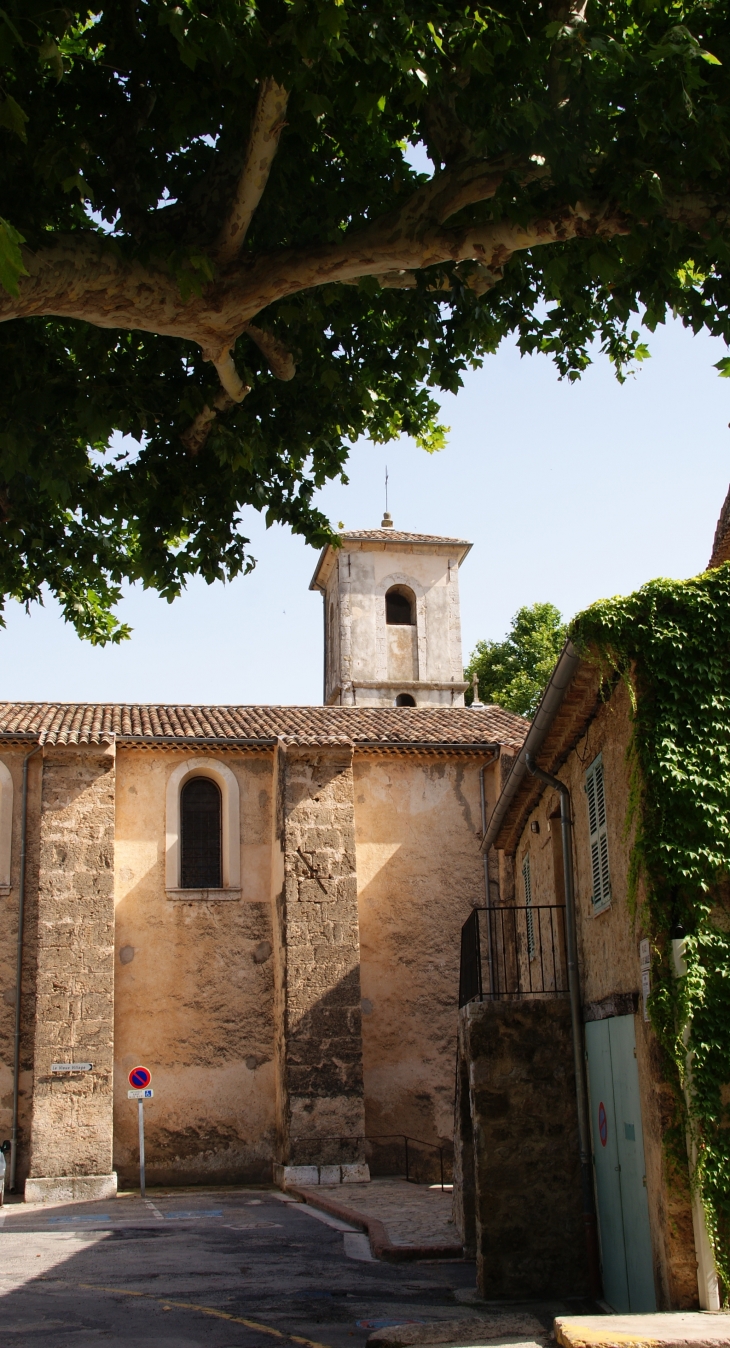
x=200 y=828
x=192 y=771
x=400 y=607
x=405 y=700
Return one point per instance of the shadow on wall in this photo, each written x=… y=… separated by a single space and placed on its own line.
x=324 y=1077
x=517 y=1196
x=29 y=973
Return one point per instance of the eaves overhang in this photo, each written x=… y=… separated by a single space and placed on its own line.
x=567 y=706
x=380 y=540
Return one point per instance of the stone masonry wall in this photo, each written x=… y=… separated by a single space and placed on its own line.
x=71 y=1127
x=318 y=960
x=517 y=1174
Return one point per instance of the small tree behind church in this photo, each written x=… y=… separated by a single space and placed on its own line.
x=513 y=673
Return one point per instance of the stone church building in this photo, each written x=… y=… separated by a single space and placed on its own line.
x=262 y=905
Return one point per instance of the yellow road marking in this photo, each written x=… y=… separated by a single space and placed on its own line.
x=192 y=1306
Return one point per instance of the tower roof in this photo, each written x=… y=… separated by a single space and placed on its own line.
x=387 y=538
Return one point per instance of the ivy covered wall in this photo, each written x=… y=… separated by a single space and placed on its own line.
x=670 y=641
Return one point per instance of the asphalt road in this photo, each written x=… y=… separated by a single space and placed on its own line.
x=238 y=1268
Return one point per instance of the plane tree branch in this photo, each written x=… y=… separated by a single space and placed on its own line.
x=280 y=361
x=266 y=128
x=88 y=278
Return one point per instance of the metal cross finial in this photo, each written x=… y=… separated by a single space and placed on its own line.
x=386 y=522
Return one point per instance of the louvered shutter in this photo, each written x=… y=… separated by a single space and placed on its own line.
x=600 y=875
x=527 y=881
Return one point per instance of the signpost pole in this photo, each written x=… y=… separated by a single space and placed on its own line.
x=139 y=1079
x=141 y=1147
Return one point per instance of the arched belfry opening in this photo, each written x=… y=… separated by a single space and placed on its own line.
x=401 y=632
x=400 y=607
x=405 y=700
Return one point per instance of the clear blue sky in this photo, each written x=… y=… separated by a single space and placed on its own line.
x=568 y=493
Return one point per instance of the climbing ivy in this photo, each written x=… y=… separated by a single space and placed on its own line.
x=670 y=641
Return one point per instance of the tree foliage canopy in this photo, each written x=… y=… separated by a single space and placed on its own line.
x=514 y=673
x=212 y=240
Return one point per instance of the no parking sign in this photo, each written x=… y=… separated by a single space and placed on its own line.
x=139 y=1077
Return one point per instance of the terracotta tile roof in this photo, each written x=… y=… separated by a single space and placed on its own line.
x=94 y=723
x=393 y=535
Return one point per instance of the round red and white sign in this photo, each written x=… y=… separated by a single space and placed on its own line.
x=139 y=1077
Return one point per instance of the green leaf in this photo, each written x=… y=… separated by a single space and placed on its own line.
x=13 y=117
x=435 y=36
x=49 y=55
x=724 y=367
x=11 y=258
x=77 y=181
x=433 y=438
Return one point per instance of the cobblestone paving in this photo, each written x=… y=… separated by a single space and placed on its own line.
x=412 y=1214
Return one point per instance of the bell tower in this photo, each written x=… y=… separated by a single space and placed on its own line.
x=392 y=627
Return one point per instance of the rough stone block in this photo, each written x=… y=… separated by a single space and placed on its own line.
x=516 y=1099
x=683 y=1329
x=70 y=1188
x=284 y=1175
x=356 y=1174
x=330 y=1174
x=320 y=1061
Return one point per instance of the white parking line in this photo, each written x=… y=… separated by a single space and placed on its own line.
x=152 y=1208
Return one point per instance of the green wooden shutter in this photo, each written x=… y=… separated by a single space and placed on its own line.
x=527 y=881
x=600 y=874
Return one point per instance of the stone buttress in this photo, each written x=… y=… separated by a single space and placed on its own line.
x=320 y=1106
x=71 y=1115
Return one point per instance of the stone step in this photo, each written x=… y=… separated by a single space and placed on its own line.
x=675 y=1329
x=504 y=1327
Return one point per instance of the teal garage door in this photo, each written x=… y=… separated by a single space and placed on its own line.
x=618 y=1151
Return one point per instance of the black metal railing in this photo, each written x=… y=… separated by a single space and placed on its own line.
x=410 y=1161
x=513 y=952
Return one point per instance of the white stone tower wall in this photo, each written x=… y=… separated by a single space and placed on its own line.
x=368 y=661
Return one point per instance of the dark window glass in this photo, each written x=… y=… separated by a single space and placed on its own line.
x=398 y=609
x=200 y=826
x=405 y=700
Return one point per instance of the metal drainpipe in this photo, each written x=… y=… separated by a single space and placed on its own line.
x=326 y=649
x=581 y=1089
x=487 y=896
x=19 y=969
